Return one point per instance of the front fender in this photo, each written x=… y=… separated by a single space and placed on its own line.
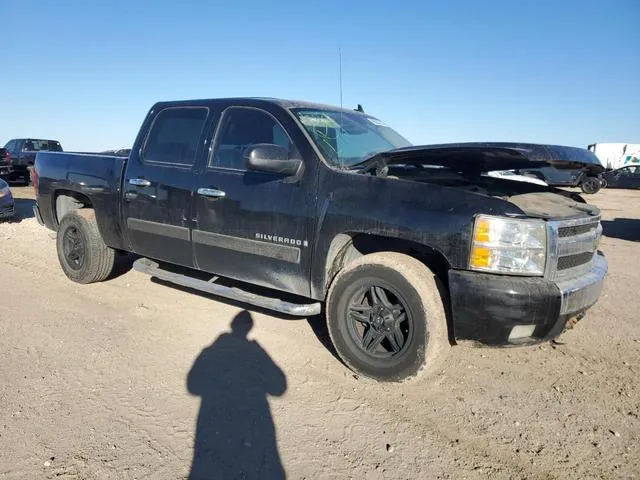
x=436 y=217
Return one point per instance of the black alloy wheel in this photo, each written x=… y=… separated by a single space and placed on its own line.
x=73 y=248
x=379 y=321
x=386 y=318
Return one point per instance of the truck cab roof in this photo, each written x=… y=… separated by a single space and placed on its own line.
x=256 y=101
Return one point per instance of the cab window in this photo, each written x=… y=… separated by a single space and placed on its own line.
x=243 y=127
x=175 y=136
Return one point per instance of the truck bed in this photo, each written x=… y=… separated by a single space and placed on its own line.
x=85 y=170
x=93 y=176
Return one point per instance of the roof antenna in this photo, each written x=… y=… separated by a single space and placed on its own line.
x=339 y=132
x=340 y=68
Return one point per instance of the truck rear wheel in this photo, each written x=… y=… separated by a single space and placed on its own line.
x=82 y=253
x=386 y=317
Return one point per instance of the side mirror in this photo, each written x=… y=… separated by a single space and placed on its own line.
x=265 y=157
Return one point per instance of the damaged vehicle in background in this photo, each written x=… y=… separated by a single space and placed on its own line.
x=587 y=180
x=307 y=209
x=512 y=175
x=625 y=177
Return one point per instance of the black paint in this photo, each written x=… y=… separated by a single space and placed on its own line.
x=321 y=207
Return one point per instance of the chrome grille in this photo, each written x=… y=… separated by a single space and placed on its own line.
x=574 y=230
x=572 y=261
x=572 y=245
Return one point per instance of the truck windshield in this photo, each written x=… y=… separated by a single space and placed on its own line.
x=346 y=138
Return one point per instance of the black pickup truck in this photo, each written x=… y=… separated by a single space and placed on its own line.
x=20 y=155
x=295 y=206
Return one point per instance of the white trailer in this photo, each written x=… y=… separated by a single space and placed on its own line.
x=616 y=155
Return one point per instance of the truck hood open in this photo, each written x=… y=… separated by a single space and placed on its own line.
x=477 y=158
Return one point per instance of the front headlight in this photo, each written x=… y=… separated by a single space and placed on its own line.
x=510 y=246
x=5 y=192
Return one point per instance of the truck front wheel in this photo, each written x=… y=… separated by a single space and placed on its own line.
x=386 y=317
x=82 y=253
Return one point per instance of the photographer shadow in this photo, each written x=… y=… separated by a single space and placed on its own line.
x=235 y=433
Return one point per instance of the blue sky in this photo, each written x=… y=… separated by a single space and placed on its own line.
x=86 y=72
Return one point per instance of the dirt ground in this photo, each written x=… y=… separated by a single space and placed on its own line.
x=120 y=380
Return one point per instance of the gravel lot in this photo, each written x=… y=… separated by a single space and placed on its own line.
x=120 y=380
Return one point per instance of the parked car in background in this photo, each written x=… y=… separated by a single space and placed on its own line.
x=7 y=204
x=587 y=181
x=21 y=155
x=4 y=162
x=625 y=177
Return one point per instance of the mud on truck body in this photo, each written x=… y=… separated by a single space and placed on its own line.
x=309 y=209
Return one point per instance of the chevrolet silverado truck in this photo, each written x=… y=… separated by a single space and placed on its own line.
x=308 y=209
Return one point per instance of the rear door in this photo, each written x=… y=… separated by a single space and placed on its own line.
x=253 y=226
x=159 y=182
x=20 y=154
x=28 y=152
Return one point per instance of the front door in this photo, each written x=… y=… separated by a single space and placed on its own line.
x=159 y=182
x=253 y=226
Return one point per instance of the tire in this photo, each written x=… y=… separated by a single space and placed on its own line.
x=407 y=286
x=82 y=253
x=603 y=183
x=590 y=185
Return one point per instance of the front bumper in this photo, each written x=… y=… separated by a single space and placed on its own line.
x=13 y=171
x=486 y=307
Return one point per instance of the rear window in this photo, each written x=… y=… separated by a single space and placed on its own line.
x=175 y=136
x=41 y=145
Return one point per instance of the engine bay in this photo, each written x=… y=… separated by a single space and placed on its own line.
x=534 y=200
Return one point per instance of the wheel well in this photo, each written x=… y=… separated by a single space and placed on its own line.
x=67 y=201
x=346 y=247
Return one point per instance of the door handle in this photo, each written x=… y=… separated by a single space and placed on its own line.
x=139 y=182
x=211 y=192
